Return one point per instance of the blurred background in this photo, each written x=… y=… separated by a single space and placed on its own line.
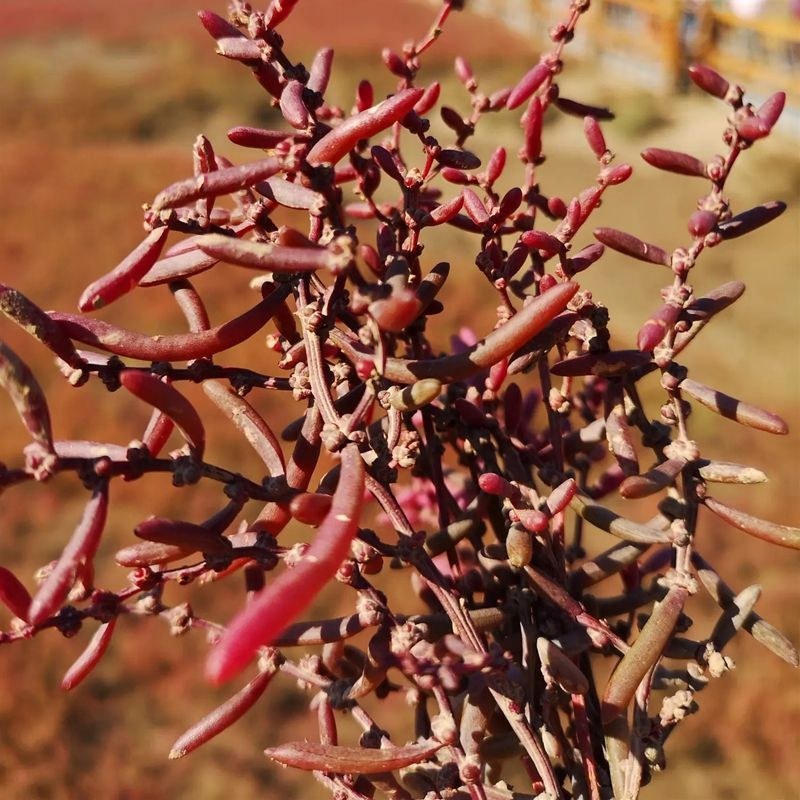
x=99 y=105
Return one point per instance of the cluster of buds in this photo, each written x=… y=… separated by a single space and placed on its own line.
x=477 y=469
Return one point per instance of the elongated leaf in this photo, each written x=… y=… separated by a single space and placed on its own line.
x=291 y=593
x=356 y=760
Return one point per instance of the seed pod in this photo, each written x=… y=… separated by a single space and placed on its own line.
x=546 y=244
x=519 y=546
x=492 y=483
x=430 y=285
x=643 y=654
x=429 y=99
x=319 y=73
x=178 y=347
x=90 y=657
x=516 y=258
x=290 y=195
x=337 y=143
x=213 y=184
x=709 y=81
x=701 y=223
x=185 y=535
x=561 y=496
x=471 y=414
x=588 y=200
x=731 y=408
x=474 y=206
x=762 y=631
x=78 y=448
x=605 y=519
x=751 y=128
x=557 y=666
x=365 y=95
x=455 y=122
x=498 y=99
x=217 y=26
x=445 y=539
x=532 y=520
x=416 y=395
x=529 y=83
x=657 y=327
x=239 y=48
x=782 y=535
x=354 y=760
x=703 y=309
x=750 y=220
x=584 y=258
x=168 y=399
x=608 y=563
x=443 y=212
x=182 y=265
x=224 y=716
x=293 y=591
x=278 y=11
x=458 y=159
x=126 y=275
x=620 y=440
x=387 y=162
x=292 y=106
x=613 y=176
x=532 y=131
x=80 y=549
x=629 y=245
x=304 y=634
x=150 y=554
x=497 y=374
x=497 y=162
x=396 y=312
x=673 y=161
x=159 y=429
x=571 y=219
x=185 y=259
x=770 y=110
x=268 y=257
x=577 y=109
x=250 y=423
x=268 y=77
x=733 y=619
x=464 y=73
x=246 y=136
x=33 y=320
x=653 y=480
x=310 y=508
x=191 y=305
x=594 y=136
x=607 y=365
x=394 y=63
x=726 y=472
x=27 y=396
x=13 y=595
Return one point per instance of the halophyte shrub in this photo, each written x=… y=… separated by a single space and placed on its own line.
x=473 y=472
